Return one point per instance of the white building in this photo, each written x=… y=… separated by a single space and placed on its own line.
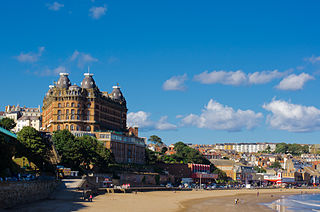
x=24 y=116
x=246 y=147
x=28 y=121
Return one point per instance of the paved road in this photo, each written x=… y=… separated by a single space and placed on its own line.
x=66 y=198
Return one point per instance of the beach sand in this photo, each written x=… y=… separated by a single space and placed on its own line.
x=189 y=201
x=164 y=201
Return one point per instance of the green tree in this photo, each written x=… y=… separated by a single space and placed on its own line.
x=294 y=149
x=80 y=153
x=155 y=140
x=164 y=150
x=276 y=164
x=151 y=157
x=281 y=148
x=259 y=169
x=34 y=147
x=7 y=123
x=186 y=154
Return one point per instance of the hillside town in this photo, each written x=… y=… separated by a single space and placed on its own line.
x=81 y=133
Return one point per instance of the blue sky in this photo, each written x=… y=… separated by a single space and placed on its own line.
x=192 y=71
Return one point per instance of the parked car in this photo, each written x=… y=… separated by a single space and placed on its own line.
x=169 y=185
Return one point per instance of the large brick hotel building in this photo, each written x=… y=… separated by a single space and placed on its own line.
x=85 y=110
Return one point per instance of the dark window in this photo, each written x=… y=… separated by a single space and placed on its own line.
x=88 y=128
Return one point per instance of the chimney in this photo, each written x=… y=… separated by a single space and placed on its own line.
x=134 y=131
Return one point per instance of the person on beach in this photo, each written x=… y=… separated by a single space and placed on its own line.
x=90 y=198
x=258 y=194
x=236 y=201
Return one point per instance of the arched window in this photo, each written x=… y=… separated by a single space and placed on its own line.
x=59 y=105
x=59 y=114
x=88 y=115
x=67 y=127
x=58 y=127
x=78 y=105
x=78 y=128
x=72 y=104
x=67 y=104
x=72 y=114
x=88 y=128
x=71 y=128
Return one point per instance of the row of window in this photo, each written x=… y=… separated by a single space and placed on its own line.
x=73 y=116
x=72 y=105
x=73 y=128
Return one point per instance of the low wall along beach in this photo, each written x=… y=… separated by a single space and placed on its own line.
x=14 y=193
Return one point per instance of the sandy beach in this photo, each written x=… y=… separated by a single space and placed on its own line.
x=189 y=201
x=159 y=201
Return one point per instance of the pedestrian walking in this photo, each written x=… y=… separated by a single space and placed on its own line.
x=90 y=198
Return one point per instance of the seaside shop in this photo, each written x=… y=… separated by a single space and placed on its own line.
x=201 y=174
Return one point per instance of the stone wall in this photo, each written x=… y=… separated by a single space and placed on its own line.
x=16 y=193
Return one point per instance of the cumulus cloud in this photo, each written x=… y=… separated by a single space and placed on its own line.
x=82 y=58
x=142 y=120
x=264 y=76
x=238 y=77
x=30 y=57
x=313 y=59
x=97 y=12
x=55 y=6
x=292 y=117
x=216 y=116
x=294 y=82
x=50 y=72
x=223 y=77
x=175 y=83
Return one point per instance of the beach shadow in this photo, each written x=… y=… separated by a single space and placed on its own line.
x=62 y=200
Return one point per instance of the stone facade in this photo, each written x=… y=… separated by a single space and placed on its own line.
x=84 y=108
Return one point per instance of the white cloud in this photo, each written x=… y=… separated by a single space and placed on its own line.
x=223 y=77
x=294 y=82
x=264 y=76
x=50 y=72
x=238 y=77
x=163 y=124
x=82 y=58
x=313 y=59
x=142 y=120
x=30 y=57
x=292 y=117
x=175 y=83
x=216 y=116
x=97 y=12
x=55 y=6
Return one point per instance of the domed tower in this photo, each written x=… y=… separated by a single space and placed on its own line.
x=88 y=82
x=63 y=81
x=116 y=94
